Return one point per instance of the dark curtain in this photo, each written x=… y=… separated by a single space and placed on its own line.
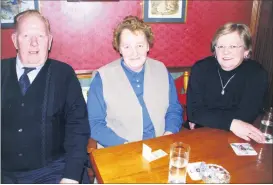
x=263 y=49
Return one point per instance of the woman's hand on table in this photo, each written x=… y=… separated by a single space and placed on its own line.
x=192 y=125
x=246 y=131
x=167 y=133
x=68 y=181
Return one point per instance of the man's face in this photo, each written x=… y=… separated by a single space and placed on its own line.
x=133 y=48
x=32 y=40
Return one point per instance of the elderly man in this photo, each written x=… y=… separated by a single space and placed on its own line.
x=44 y=117
x=133 y=97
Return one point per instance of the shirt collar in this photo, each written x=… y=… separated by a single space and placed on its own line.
x=129 y=71
x=21 y=66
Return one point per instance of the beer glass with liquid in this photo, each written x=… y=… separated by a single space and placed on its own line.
x=179 y=159
x=267 y=124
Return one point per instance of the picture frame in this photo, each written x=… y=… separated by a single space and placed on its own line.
x=164 y=11
x=91 y=0
x=10 y=8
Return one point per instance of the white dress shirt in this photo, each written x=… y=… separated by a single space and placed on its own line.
x=31 y=75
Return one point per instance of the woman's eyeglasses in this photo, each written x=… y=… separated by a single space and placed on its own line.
x=231 y=47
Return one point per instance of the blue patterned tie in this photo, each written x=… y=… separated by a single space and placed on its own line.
x=24 y=80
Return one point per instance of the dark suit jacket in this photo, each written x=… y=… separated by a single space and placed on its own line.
x=66 y=115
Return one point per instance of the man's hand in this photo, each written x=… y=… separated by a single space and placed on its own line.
x=246 y=131
x=191 y=125
x=68 y=181
x=167 y=133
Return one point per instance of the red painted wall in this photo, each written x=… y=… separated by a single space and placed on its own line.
x=83 y=30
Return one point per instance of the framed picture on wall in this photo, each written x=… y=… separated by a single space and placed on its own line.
x=166 y=11
x=10 y=8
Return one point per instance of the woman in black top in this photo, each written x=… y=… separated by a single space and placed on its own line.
x=226 y=91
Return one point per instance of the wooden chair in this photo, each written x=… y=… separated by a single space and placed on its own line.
x=181 y=84
x=92 y=145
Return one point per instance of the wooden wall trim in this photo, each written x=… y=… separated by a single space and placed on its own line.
x=254 y=22
x=179 y=69
x=83 y=73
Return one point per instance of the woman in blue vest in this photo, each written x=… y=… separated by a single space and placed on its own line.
x=133 y=97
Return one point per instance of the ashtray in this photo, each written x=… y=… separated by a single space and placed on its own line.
x=212 y=173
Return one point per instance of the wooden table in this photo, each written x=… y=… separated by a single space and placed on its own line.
x=125 y=164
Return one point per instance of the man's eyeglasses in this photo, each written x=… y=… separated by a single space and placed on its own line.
x=231 y=47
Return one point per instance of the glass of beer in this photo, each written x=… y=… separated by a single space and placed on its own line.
x=267 y=124
x=179 y=158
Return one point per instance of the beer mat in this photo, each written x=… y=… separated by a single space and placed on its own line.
x=151 y=156
x=194 y=170
x=243 y=149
